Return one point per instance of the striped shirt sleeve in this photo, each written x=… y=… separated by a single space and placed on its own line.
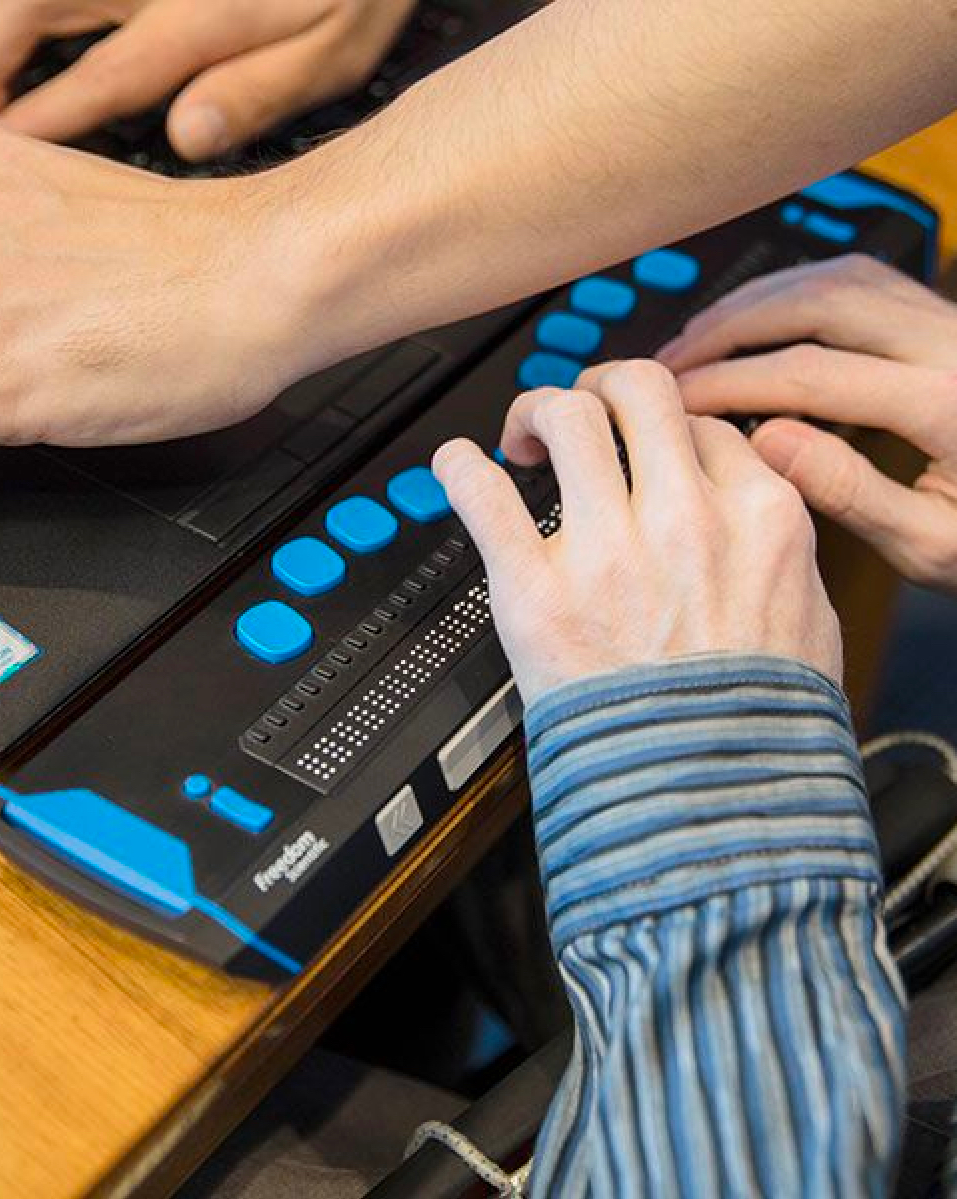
x=714 y=899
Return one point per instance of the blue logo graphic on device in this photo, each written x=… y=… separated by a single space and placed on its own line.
x=15 y=651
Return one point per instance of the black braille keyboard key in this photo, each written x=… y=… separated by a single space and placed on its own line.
x=392 y=375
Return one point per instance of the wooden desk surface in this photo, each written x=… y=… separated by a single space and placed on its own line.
x=122 y=1066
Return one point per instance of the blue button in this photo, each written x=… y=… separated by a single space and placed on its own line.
x=548 y=370
x=418 y=494
x=498 y=455
x=197 y=787
x=604 y=299
x=830 y=228
x=792 y=214
x=667 y=270
x=848 y=191
x=361 y=525
x=109 y=842
x=569 y=334
x=239 y=810
x=274 y=632
x=308 y=566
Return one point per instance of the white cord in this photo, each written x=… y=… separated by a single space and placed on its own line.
x=941 y=745
x=905 y=890
x=507 y=1186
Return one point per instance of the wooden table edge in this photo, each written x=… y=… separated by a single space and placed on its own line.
x=301 y=1011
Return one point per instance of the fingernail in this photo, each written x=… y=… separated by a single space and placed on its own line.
x=446 y=455
x=201 y=130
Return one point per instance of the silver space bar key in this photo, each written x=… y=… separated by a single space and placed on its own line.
x=480 y=736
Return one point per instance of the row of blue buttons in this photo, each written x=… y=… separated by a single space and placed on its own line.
x=567 y=339
x=273 y=631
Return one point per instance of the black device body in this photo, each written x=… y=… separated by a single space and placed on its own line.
x=129 y=570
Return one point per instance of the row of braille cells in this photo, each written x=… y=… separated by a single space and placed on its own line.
x=569 y=340
x=273 y=631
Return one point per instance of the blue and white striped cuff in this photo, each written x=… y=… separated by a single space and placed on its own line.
x=664 y=785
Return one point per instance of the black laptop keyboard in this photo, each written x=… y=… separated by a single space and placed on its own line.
x=440 y=30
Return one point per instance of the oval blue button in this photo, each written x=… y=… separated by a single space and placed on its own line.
x=418 y=494
x=830 y=228
x=237 y=809
x=604 y=299
x=569 y=334
x=308 y=566
x=548 y=370
x=361 y=525
x=273 y=632
x=667 y=270
x=197 y=787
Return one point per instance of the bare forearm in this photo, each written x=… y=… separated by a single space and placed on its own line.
x=587 y=134
x=597 y=129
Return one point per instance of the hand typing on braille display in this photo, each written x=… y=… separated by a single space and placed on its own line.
x=710 y=552
x=885 y=357
x=239 y=65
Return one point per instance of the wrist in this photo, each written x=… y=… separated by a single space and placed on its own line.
x=331 y=235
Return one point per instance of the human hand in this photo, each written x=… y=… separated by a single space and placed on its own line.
x=886 y=358
x=711 y=552
x=242 y=65
x=135 y=308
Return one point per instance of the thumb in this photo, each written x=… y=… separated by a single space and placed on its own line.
x=234 y=101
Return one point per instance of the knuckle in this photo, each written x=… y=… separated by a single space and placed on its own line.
x=775 y=504
x=841 y=495
x=803 y=365
x=109 y=66
x=640 y=374
x=562 y=410
x=688 y=519
x=714 y=428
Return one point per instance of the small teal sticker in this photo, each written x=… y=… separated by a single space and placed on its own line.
x=15 y=651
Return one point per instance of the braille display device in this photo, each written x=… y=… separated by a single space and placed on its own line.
x=242 y=675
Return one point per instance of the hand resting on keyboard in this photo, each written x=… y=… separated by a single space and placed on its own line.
x=885 y=358
x=241 y=67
